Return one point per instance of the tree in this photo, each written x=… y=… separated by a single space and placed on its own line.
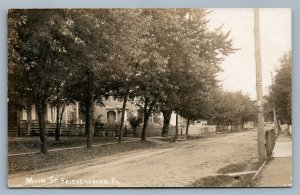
x=183 y=43
x=53 y=43
x=248 y=109
x=268 y=109
x=280 y=93
x=149 y=78
x=196 y=96
x=91 y=41
x=128 y=55
x=60 y=99
x=18 y=92
x=204 y=51
x=35 y=56
x=232 y=108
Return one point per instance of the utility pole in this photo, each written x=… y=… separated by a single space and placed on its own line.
x=259 y=92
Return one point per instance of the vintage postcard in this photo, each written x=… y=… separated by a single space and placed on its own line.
x=149 y=98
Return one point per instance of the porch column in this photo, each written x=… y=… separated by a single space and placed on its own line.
x=117 y=115
x=66 y=110
x=125 y=118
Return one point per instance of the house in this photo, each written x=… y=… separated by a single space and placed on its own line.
x=108 y=111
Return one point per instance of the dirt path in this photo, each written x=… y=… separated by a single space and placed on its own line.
x=175 y=166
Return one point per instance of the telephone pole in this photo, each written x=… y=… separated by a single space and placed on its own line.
x=259 y=92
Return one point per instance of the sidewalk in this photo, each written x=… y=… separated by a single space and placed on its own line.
x=278 y=170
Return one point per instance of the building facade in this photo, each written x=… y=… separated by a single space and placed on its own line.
x=108 y=111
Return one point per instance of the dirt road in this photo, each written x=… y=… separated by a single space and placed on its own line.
x=172 y=165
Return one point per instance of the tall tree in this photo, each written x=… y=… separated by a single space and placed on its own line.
x=128 y=55
x=184 y=42
x=36 y=54
x=281 y=91
x=89 y=35
x=150 y=77
x=205 y=50
x=60 y=42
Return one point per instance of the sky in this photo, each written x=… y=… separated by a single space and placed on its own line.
x=275 y=35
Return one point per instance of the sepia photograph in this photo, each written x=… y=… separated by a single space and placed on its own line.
x=149 y=98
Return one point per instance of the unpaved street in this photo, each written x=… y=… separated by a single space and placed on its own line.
x=171 y=165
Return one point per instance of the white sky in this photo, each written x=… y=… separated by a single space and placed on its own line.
x=275 y=35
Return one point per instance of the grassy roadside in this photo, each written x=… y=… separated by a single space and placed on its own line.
x=32 y=144
x=22 y=163
x=223 y=180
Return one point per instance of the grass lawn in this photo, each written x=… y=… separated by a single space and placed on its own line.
x=37 y=161
x=230 y=181
x=32 y=143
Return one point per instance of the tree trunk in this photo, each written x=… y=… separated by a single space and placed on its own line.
x=89 y=124
x=134 y=131
x=86 y=128
x=145 y=125
x=147 y=113
x=187 y=126
x=123 y=116
x=18 y=133
x=90 y=109
x=60 y=118
x=57 y=123
x=167 y=117
x=95 y=128
x=279 y=125
x=57 y=114
x=146 y=118
x=28 y=119
x=176 y=130
x=42 y=126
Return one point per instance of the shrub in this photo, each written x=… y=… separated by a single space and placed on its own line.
x=134 y=123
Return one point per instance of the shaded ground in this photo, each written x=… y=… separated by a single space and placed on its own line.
x=177 y=164
x=32 y=144
x=238 y=180
x=225 y=181
x=67 y=157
